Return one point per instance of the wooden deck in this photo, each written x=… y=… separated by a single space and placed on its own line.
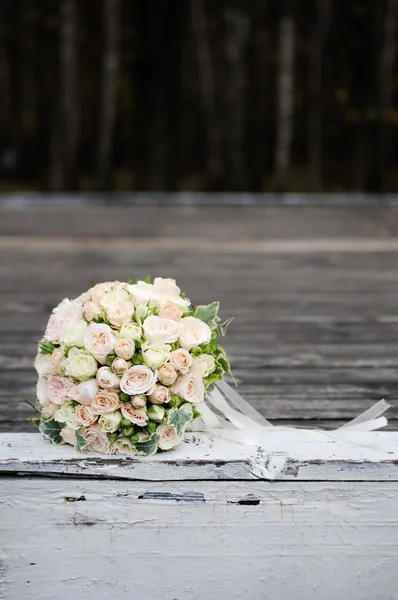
x=314 y=292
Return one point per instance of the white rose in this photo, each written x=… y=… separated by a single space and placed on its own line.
x=190 y=388
x=42 y=364
x=114 y=296
x=138 y=416
x=105 y=402
x=166 y=287
x=160 y=395
x=155 y=355
x=84 y=392
x=111 y=421
x=170 y=310
x=68 y=435
x=204 y=364
x=124 y=446
x=79 y=364
x=59 y=389
x=141 y=311
x=85 y=415
x=106 y=378
x=100 y=341
x=42 y=391
x=181 y=359
x=138 y=379
x=97 y=439
x=131 y=332
x=124 y=348
x=167 y=374
x=194 y=332
x=120 y=312
x=98 y=291
x=64 y=316
x=161 y=330
x=74 y=335
x=119 y=366
x=168 y=437
x=66 y=414
x=143 y=292
x=91 y=310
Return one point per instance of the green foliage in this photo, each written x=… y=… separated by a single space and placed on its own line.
x=180 y=417
x=149 y=447
x=46 y=347
x=208 y=314
x=137 y=359
x=124 y=397
x=51 y=430
x=223 y=326
x=81 y=442
x=195 y=414
x=175 y=401
x=152 y=426
x=110 y=360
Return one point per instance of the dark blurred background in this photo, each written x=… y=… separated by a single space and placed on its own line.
x=256 y=95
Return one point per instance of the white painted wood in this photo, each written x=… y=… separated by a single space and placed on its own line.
x=283 y=455
x=88 y=539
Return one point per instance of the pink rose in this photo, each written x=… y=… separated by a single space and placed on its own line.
x=119 y=366
x=138 y=379
x=138 y=416
x=167 y=374
x=168 y=437
x=166 y=331
x=105 y=402
x=181 y=360
x=194 y=332
x=55 y=361
x=106 y=378
x=64 y=316
x=160 y=395
x=138 y=401
x=119 y=312
x=170 y=310
x=124 y=348
x=100 y=341
x=190 y=387
x=97 y=440
x=85 y=415
x=49 y=410
x=68 y=435
x=98 y=291
x=84 y=392
x=59 y=389
x=91 y=310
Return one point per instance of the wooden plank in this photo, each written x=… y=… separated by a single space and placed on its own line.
x=280 y=454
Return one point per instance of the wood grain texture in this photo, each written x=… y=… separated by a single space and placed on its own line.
x=315 y=335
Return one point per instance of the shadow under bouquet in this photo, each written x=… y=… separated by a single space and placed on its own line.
x=124 y=368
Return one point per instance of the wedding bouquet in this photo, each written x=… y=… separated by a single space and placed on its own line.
x=124 y=367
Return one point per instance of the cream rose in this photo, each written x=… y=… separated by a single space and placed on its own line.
x=141 y=311
x=43 y=364
x=84 y=392
x=160 y=395
x=98 y=291
x=111 y=421
x=91 y=310
x=170 y=310
x=194 y=332
x=74 y=335
x=139 y=401
x=166 y=287
x=79 y=364
x=142 y=292
x=190 y=387
x=167 y=374
x=114 y=296
x=106 y=378
x=138 y=379
x=85 y=415
x=100 y=341
x=119 y=312
x=124 y=446
x=64 y=316
x=155 y=355
x=49 y=410
x=124 y=348
x=68 y=435
x=161 y=330
x=204 y=364
x=59 y=389
x=97 y=439
x=105 y=402
x=56 y=359
x=168 y=437
x=119 y=366
x=66 y=414
x=138 y=416
x=42 y=391
x=131 y=332
x=181 y=360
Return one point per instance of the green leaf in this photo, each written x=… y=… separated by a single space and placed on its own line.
x=35 y=421
x=137 y=359
x=111 y=358
x=196 y=414
x=225 y=364
x=148 y=448
x=180 y=417
x=196 y=351
x=46 y=347
x=51 y=430
x=208 y=313
x=175 y=401
x=124 y=397
x=81 y=442
x=223 y=326
x=212 y=378
x=147 y=279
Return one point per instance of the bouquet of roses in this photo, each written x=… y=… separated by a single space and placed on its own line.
x=125 y=366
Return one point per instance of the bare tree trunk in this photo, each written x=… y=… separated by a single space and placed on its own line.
x=237 y=30
x=315 y=129
x=285 y=99
x=108 y=91
x=68 y=91
x=207 y=90
x=387 y=60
